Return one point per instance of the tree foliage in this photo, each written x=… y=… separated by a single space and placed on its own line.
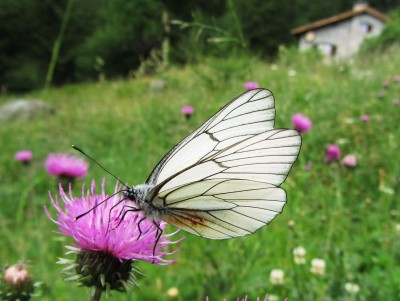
x=111 y=37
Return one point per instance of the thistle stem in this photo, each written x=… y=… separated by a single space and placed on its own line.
x=96 y=296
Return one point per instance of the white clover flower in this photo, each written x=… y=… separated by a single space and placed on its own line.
x=348 y=121
x=318 y=266
x=299 y=254
x=352 y=288
x=398 y=228
x=387 y=190
x=173 y=292
x=292 y=73
x=274 y=67
x=273 y=298
x=277 y=277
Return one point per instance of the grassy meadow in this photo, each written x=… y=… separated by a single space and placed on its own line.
x=347 y=217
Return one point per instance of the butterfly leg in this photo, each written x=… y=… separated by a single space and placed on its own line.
x=140 y=229
x=158 y=236
x=121 y=215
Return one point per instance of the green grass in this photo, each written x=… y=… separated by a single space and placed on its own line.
x=346 y=217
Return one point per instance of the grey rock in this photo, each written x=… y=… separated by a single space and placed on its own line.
x=25 y=109
x=158 y=85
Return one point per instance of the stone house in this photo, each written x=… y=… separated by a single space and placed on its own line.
x=340 y=36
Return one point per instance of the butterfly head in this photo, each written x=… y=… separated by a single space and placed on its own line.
x=137 y=193
x=130 y=193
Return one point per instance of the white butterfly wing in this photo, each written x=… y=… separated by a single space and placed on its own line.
x=249 y=114
x=232 y=192
x=222 y=208
x=266 y=157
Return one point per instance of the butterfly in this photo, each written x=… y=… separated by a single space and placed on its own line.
x=223 y=180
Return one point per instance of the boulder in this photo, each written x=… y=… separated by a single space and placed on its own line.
x=25 y=109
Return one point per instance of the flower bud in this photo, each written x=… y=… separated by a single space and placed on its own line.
x=17 y=283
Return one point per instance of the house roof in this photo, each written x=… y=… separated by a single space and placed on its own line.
x=340 y=17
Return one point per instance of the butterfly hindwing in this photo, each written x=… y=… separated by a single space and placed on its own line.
x=249 y=114
x=221 y=208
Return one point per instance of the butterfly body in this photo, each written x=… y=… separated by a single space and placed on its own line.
x=222 y=181
x=139 y=196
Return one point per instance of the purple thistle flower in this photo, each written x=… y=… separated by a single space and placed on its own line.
x=350 y=161
x=385 y=84
x=332 y=153
x=251 y=85
x=365 y=118
x=66 y=165
x=90 y=231
x=107 y=241
x=301 y=123
x=24 y=156
x=187 y=111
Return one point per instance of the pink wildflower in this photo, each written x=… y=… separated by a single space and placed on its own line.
x=350 y=161
x=332 y=153
x=308 y=166
x=365 y=118
x=385 y=84
x=90 y=231
x=109 y=238
x=16 y=274
x=381 y=94
x=301 y=123
x=24 y=156
x=396 y=79
x=251 y=85
x=16 y=283
x=396 y=102
x=187 y=111
x=66 y=165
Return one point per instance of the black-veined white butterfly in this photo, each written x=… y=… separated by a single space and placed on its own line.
x=222 y=181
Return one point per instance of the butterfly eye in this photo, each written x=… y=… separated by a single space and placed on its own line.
x=130 y=194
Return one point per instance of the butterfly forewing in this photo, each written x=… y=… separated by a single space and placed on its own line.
x=249 y=114
x=245 y=160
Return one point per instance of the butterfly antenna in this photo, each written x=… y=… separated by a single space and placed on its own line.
x=97 y=205
x=106 y=170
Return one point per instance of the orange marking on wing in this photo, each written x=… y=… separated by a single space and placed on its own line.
x=190 y=220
